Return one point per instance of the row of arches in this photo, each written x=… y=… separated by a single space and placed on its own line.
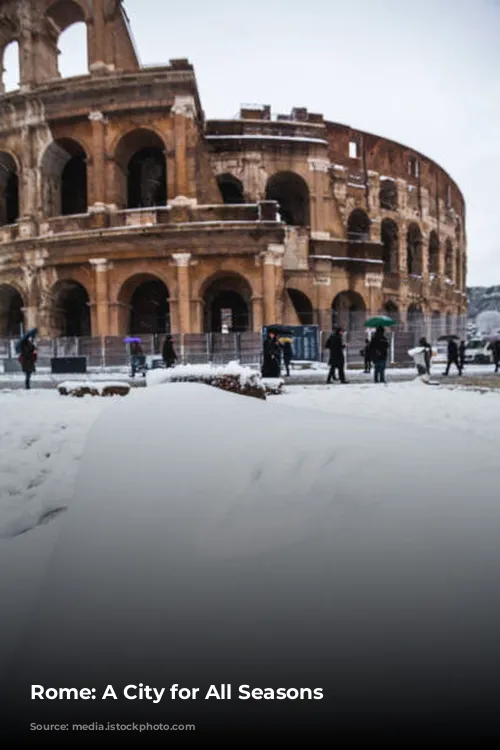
x=68 y=47
x=453 y=261
x=226 y=303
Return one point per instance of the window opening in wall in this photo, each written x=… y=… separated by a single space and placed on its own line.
x=353 y=149
x=448 y=196
x=72 y=45
x=413 y=166
x=11 y=74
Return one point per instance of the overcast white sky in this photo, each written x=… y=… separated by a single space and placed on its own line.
x=423 y=73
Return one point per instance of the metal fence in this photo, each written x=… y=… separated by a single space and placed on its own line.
x=220 y=348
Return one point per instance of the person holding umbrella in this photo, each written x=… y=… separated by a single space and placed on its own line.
x=27 y=355
x=379 y=349
x=461 y=354
x=452 y=356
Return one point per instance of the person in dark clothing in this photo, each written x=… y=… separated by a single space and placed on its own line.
x=271 y=365
x=168 y=354
x=287 y=355
x=379 y=349
x=427 y=355
x=494 y=347
x=461 y=354
x=137 y=358
x=27 y=359
x=337 y=359
x=452 y=357
x=365 y=353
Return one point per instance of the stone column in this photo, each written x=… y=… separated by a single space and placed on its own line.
x=182 y=261
x=101 y=296
x=270 y=258
x=257 y=313
x=97 y=193
x=184 y=107
x=320 y=168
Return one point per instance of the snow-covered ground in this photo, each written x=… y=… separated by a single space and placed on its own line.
x=43 y=437
x=358 y=524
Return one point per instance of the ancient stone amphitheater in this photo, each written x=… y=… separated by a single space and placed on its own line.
x=124 y=211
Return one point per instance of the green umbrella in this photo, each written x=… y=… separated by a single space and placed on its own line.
x=380 y=320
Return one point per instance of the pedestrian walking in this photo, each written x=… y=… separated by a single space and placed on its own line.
x=27 y=360
x=168 y=353
x=452 y=357
x=461 y=354
x=494 y=347
x=336 y=361
x=137 y=358
x=365 y=353
x=379 y=350
x=287 y=354
x=427 y=355
x=271 y=364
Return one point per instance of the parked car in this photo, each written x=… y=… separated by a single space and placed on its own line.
x=477 y=352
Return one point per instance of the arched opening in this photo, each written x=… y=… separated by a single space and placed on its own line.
x=358 y=226
x=227 y=301
x=436 y=325
x=448 y=260
x=149 y=308
x=388 y=195
x=433 y=253
x=68 y=19
x=415 y=319
x=70 y=309
x=458 y=269
x=348 y=310
x=414 y=250
x=11 y=75
x=390 y=240
x=231 y=189
x=64 y=173
x=290 y=191
x=391 y=309
x=142 y=170
x=11 y=312
x=302 y=306
x=9 y=190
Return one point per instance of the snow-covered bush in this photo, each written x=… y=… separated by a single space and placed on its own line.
x=232 y=377
x=273 y=386
x=80 y=389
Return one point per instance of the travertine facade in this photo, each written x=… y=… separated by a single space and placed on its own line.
x=123 y=211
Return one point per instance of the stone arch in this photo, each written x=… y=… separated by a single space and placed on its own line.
x=415 y=319
x=389 y=236
x=448 y=259
x=358 y=226
x=10 y=73
x=388 y=195
x=302 y=306
x=64 y=178
x=391 y=309
x=227 y=298
x=348 y=310
x=9 y=189
x=231 y=189
x=141 y=173
x=68 y=23
x=291 y=192
x=433 y=253
x=144 y=299
x=70 y=309
x=436 y=325
x=11 y=311
x=414 y=250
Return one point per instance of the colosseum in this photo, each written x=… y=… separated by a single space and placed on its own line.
x=124 y=211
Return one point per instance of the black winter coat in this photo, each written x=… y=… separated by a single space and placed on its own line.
x=379 y=348
x=336 y=347
x=271 y=366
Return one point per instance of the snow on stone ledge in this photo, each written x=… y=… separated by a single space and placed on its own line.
x=89 y=388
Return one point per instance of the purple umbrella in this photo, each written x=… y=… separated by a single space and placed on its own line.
x=132 y=340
